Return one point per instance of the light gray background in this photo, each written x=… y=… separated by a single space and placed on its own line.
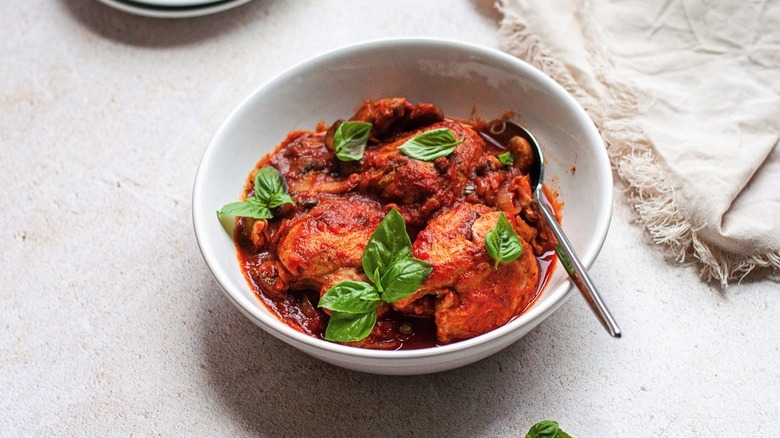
x=110 y=323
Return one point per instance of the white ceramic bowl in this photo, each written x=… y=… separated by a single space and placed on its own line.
x=458 y=78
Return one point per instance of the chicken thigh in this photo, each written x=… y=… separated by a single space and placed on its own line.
x=420 y=188
x=325 y=245
x=471 y=296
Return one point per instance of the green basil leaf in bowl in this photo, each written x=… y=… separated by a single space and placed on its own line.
x=430 y=145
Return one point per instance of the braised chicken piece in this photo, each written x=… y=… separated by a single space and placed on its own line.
x=325 y=245
x=310 y=167
x=419 y=188
x=396 y=114
x=471 y=296
x=322 y=247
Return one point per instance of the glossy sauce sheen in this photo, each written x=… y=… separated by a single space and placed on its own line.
x=297 y=306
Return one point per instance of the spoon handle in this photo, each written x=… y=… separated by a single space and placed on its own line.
x=577 y=272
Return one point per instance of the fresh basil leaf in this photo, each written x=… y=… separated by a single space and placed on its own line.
x=502 y=242
x=506 y=159
x=270 y=188
x=430 y=145
x=354 y=297
x=388 y=243
x=546 y=429
x=269 y=192
x=279 y=199
x=403 y=278
x=350 y=140
x=350 y=327
x=388 y=261
x=246 y=209
x=228 y=223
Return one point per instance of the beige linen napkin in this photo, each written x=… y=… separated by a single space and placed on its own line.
x=687 y=97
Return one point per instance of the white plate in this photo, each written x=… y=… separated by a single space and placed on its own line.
x=139 y=8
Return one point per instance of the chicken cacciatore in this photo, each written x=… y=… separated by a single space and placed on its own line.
x=314 y=212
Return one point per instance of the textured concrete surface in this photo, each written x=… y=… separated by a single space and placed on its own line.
x=110 y=323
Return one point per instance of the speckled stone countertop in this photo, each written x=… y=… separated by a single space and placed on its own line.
x=111 y=325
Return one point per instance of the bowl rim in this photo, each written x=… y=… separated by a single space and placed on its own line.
x=533 y=316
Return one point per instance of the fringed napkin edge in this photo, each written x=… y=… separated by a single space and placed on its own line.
x=650 y=189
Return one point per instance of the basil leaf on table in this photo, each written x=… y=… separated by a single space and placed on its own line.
x=354 y=297
x=430 y=145
x=546 y=429
x=350 y=140
x=350 y=327
x=403 y=278
x=506 y=159
x=502 y=242
x=388 y=243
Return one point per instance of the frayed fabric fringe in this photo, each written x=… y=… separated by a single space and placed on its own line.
x=650 y=189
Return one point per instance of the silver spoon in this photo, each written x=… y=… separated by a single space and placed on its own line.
x=499 y=133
